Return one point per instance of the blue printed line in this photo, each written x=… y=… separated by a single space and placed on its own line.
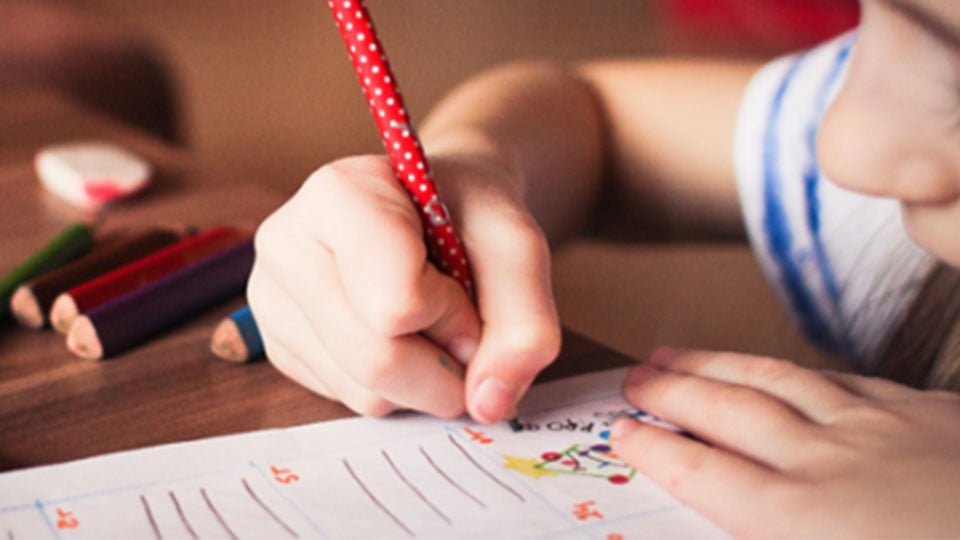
x=46 y=519
x=17 y=508
x=779 y=237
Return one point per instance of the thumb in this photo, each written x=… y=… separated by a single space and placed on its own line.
x=521 y=330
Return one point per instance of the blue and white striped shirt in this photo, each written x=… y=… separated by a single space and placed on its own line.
x=840 y=261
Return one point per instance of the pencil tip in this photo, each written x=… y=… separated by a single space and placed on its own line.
x=227 y=343
x=63 y=313
x=82 y=339
x=26 y=308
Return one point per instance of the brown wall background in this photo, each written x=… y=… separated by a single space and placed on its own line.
x=268 y=95
x=267 y=92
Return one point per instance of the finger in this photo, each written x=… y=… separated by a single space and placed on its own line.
x=295 y=351
x=521 y=329
x=744 y=419
x=409 y=370
x=817 y=397
x=358 y=211
x=871 y=387
x=722 y=486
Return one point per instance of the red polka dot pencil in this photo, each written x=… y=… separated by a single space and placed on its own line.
x=403 y=146
x=136 y=274
x=399 y=138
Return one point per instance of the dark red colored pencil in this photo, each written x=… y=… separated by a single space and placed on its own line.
x=130 y=319
x=32 y=301
x=129 y=277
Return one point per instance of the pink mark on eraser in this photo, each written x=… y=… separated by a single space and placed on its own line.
x=91 y=174
x=103 y=191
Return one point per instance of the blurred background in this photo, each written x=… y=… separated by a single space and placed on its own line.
x=264 y=92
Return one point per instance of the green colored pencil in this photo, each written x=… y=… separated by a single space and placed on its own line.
x=73 y=242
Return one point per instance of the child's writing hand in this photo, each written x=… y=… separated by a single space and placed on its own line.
x=796 y=453
x=350 y=307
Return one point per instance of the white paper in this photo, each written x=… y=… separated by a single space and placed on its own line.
x=407 y=476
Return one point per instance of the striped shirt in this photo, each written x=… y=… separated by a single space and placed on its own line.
x=840 y=261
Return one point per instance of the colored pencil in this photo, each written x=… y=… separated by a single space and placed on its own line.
x=124 y=322
x=129 y=277
x=32 y=301
x=237 y=338
x=399 y=138
x=71 y=243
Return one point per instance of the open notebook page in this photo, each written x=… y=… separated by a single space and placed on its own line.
x=407 y=476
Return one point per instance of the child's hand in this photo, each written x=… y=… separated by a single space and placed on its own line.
x=796 y=453
x=350 y=307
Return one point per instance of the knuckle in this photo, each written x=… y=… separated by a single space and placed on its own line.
x=341 y=178
x=257 y=296
x=395 y=313
x=527 y=241
x=265 y=233
x=378 y=364
x=679 y=477
x=369 y=405
x=880 y=418
x=771 y=369
x=690 y=464
x=533 y=344
x=451 y=410
x=950 y=397
x=331 y=175
x=737 y=397
x=329 y=183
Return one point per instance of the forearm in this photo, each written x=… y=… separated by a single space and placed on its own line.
x=643 y=145
x=670 y=127
x=539 y=122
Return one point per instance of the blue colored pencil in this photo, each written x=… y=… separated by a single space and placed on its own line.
x=237 y=338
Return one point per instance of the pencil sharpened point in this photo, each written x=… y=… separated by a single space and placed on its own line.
x=82 y=339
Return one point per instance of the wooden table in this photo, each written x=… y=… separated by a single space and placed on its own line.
x=55 y=407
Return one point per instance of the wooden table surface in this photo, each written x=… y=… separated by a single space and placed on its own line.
x=56 y=407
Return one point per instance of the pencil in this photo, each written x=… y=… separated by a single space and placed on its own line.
x=403 y=146
x=400 y=140
x=124 y=322
x=31 y=302
x=129 y=277
x=237 y=338
x=72 y=242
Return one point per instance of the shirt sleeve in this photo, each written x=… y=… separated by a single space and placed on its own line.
x=839 y=261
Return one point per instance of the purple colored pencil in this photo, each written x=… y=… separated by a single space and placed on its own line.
x=129 y=320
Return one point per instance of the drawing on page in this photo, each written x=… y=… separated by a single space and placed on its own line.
x=592 y=460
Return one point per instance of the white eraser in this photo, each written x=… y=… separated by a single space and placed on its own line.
x=91 y=174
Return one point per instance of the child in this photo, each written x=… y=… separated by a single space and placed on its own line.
x=525 y=156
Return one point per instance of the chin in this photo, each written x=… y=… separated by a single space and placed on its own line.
x=936 y=229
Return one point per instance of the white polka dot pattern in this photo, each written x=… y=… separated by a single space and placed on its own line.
x=399 y=138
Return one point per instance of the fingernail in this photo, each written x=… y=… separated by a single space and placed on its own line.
x=664 y=356
x=641 y=374
x=623 y=427
x=462 y=348
x=492 y=399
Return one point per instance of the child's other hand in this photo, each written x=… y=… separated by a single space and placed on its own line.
x=796 y=453
x=350 y=307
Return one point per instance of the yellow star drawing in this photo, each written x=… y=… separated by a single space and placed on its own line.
x=526 y=466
